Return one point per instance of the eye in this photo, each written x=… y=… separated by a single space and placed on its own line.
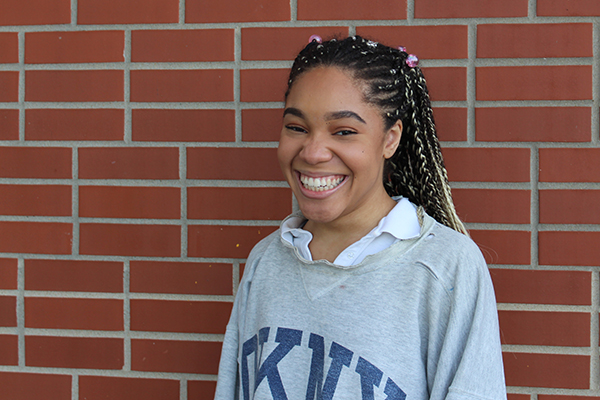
x=295 y=128
x=345 y=132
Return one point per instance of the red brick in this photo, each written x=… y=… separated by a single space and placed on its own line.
x=8 y=273
x=8 y=306
x=127 y=11
x=9 y=86
x=559 y=82
x=129 y=202
x=35 y=237
x=35 y=162
x=542 y=287
x=545 y=328
x=569 y=206
x=9 y=45
x=427 y=42
x=261 y=125
x=98 y=85
x=175 y=356
x=569 y=165
x=237 y=11
x=504 y=247
x=547 y=370
x=74 y=276
x=112 y=387
x=74 y=47
x=239 y=203
x=181 y=277
x=534 y=40
x=447 y=83
x=26 y=386
x=188 y=45
x=224 y=241
x=282 y=43
x=182 y=85
x=569 y=248
x=568 y=8
x=487 y=164
x=47 y=200
x=495 y=206
x=90 y=314
x=451 y=123
x=9 y=124
x=533 y=124
x=130 y=240
x=129 y=163
x=470 y=8
x=74 y=124
x=35 y=12
x=201 y=390
x=233 y=163
x=180 y=316
x=515 y=396
x=263 y=84
x=183 y=125
x=565 y=397
x=9 y=350
x=73 y=352
x=351 y=9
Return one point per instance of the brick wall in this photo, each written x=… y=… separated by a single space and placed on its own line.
x=137 y=169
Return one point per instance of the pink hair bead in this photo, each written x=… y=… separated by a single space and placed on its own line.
x=412 y=60
x=315 y=37
x=402 y=48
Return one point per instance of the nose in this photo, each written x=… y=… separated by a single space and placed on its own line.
x=315 y=150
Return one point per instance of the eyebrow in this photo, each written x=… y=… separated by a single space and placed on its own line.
x=328 y=117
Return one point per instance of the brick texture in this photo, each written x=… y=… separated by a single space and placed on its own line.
x=353 y=9
x=569 y=206
x=127 y=11
x=569 y=165
x=74 y=47
x=9 y=350
x=233 y=163
x=224 y=241
x=545 y=328
x=547 y=370
x=35 y=237
x=8 y=305
x=263 y=84
x=487 y=164
x=74 y=352
x=470 y=8
x=61 y=124
x=568 y=8
x=46 y=200
x=569 y=248
x=35 y=12
x=181 y=85
x=109 y=387
x=175 y=356
x=492 y=206
x=236 y=11
x=100 y=85
x=9 y=86
x=9 y=124
x=10 y=48
x=8 y=273
x=35 y=162
x=261 y=125
x=446 y=84
x=89 y=314
x=27 y=386
x=202 y=390
x=504 y=247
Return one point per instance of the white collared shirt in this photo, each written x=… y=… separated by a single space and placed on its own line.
x=401 y=223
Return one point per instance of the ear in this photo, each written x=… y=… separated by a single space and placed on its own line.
x=392 y=139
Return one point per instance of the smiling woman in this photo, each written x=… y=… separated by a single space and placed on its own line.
x=375 y=278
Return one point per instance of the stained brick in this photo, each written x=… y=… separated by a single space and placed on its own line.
x=57 y=313
x=8 y=273
x=179 y=316
x=9 y=86
x=542 y=287
x=188 y=45
x=127 y=11
x=487 y=164
x=224 y=241
x=27 y=386
x=74 y=275
x=569 y=165
x=8 y=306
x=492 y=205
x=35 y=162
x=183 y=125
x=74 y=47
x=182 y=85
x=35 y=237
x=545 y=328
x=129 y=163
x=74 y=124
x=9 y=44
x=557 y=82
x=568 y=8
x=233 y=163
x=112 y=387
x=547 y=370
x=129 y=202
x=130 y=240
x=201 y=390
x=569 y=206
x=427 y=42
x=237 y=11
x=263 y=84
x=224 y=203
x=175 y=356
x=282 y=43
x=9 y=124
x=46 y=200
x=446 y=83
x=534 y=40
x=97 y=85
x=9 y=350
x=261 y=125
x=180 y=277
x=73 y=352
x=450 y=123
x=533 y=124
x=35 y=12
x=504 y=247
x=351 y=9
x=569 y=248
x=470 y=8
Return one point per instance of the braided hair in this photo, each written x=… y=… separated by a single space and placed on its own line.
x=416 y=170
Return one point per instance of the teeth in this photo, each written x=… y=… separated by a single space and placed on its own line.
x=320 y=184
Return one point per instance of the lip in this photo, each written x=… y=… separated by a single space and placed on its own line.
x=318 y=195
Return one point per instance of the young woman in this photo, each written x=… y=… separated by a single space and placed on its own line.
x=373 y=290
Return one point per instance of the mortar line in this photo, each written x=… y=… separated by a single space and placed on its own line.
x=126 y=318
x=21 y=98
x=532 y=9
x=595 y=123
x=127 y=128
x=534 y=210
x=236 y=84
x=75 y=386
x=183 y=395
x=181 y=12
x=293 y=10
x=595 y=333
x=21 y=311
x=74 y=13
x=410 y=12
x=471 y=83
x=184 y=200
x=75 y=201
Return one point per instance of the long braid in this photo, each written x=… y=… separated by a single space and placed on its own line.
x=416 y=170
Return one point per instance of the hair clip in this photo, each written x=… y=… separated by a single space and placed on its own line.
x=402 y=48
x=315 y=38
x=412 y=60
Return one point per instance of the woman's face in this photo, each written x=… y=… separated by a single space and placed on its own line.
x=333 y=146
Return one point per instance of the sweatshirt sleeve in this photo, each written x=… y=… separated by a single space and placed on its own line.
x=228 y=381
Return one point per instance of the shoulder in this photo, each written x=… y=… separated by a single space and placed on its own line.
x=266 y=245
